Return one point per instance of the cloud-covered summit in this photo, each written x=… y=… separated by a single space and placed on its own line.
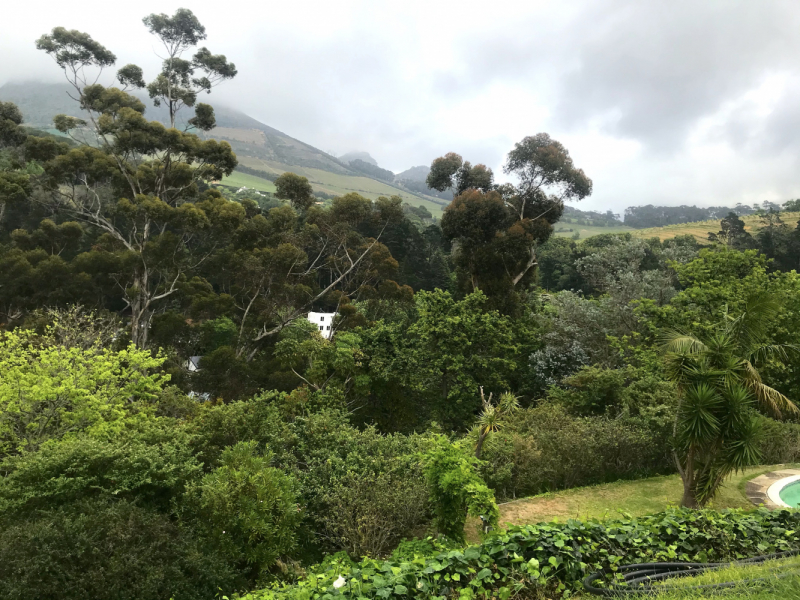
x=662 y=101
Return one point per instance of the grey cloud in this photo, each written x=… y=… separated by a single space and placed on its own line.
x=752 y=134
x=654 y=68
x=648 y=71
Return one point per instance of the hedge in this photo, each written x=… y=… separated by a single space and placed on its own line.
x=556 y=555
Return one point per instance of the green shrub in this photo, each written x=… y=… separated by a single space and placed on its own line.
x=50 y=392
x=106 y=551
x=367 y=514
x=545 y=448
x=556 y=555
x=624 y=392
x=220 y=426
x=331 y=456
x=780 y=442
x=248 y=508
x=151 y=466
x=510 y=464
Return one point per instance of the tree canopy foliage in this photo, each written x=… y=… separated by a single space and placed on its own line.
x=173 y=425
x=497 y=229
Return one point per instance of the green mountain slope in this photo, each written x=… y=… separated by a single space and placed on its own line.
x=257 y=146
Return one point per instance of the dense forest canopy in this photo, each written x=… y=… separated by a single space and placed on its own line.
x=172 y=425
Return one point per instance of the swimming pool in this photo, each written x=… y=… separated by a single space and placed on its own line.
x=790 y=494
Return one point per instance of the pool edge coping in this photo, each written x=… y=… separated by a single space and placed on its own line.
x=774 y=491
x=758 y=489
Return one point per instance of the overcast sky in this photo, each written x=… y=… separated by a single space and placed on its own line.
x=665 y=102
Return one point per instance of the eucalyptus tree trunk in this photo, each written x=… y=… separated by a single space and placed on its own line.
x=140 y=305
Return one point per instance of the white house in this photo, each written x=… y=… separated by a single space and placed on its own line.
x=324 y=321
x=193 y=364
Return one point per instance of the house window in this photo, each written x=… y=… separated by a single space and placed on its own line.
x=321 y=328
x=329 y=327
x=322 y=318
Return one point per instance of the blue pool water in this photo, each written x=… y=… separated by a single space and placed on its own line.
x=791 y=494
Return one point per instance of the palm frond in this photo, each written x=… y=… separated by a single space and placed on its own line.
x=737 y=415
x=508 y=403
x=743 y=451
x=698 y=420
x=719 y=348
x=489 y=420
x=751 y=326
x=771 y=399
x=685 y=367
x=751 y=374
x=766 y=352
x=680 y=342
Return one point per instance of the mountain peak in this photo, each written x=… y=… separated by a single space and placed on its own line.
x=418 y=173
x=365 y=156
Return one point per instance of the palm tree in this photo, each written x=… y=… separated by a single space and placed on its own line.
x=491 y=417
x=716 y=426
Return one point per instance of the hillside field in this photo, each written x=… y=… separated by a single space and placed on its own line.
x=338 y=184
x=588 y=230
x=238 y=179
x=700 y=229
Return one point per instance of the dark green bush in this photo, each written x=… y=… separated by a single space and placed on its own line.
x=151 y=466
x=367 y=514
x=248 y=508
x=106 y=551
x=624 y=392
x=545 y=448
x=333 y=458
x=780 y=442
x=556 y=555
x=361 y=491
x=220 y=426
x=510 y=464
x=599 y=425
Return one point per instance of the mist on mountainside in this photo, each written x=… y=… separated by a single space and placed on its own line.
x=348 y=157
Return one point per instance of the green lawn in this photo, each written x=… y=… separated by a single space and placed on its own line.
x=781 y=579
x=652 y=495
x=243 y=179
x=640 y=497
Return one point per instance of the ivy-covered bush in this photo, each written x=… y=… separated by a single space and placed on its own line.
x=556 y=555
x=456 y=489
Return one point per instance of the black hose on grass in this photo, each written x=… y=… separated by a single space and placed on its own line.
x=639 y=578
